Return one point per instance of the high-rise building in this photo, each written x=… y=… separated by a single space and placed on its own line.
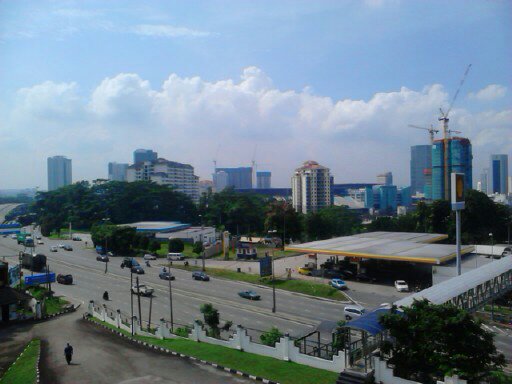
x=311 y=187
x=117 y=171
x=385 y=197
x=421 y=164
x=164 y=172
x=205 y=186
x=263 y=179
x=141 y=155
x=239 y=178
x=457 y=158
x=484 y=181
x=220 y=180
x=498 y=174
x=59 y=172
x=385 y=178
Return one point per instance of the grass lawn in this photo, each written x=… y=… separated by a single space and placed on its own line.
x=53 y=304
x=23 y=371
x=300 y=286
x=506 y=311
x=267 y=367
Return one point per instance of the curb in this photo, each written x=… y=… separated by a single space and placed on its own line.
x=177 y=354
x=38 y=374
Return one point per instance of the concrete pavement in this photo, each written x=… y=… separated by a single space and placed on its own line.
x=101 y=357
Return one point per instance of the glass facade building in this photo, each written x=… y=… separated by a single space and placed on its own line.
x=498 y=174
x=59 y=172
x=420 y=168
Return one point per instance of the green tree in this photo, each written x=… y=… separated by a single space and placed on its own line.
x=331 y=221
x=212 y=320
x=271 y=337
x=281 y=217
x=176 y=245
x=144 y=242
x=198 y=248
x=431 y=341
x=154 y=246
x=116 y=239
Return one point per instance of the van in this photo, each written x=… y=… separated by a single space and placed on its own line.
x=351 y=312
x=175 y=256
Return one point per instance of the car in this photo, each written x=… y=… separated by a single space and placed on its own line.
x=251 y=295
x=200 y=276
x=175 y=256
x=53 y=248
x=166 y=276
x=13 y=236
x=39 y=242
x=65 y=279
x=353 y=312
x=103 y=258
x=148 y=256
x=338 y=284
x=61 y=245
x=347 y=275
x=137 y=269
x=111 y=254
x=76 y=238
x=143 y=290
x=365 y=277
x=401 y=286
x=129 y=262
x=67 y=247
x=304 y=271
x=38 y=237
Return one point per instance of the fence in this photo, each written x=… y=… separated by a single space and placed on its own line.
x=312 y=345
x=285 y=349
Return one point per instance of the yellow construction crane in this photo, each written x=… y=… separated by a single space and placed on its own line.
x=430 y=130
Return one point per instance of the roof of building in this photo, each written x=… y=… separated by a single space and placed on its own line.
x=370 y=322
x=157 y=226
x=187 y=233
x=310 y=164
x=395 y=246
x=10 y=295
x=445 y=291
x=348 y=202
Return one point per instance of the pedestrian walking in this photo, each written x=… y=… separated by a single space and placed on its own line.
x=68 y=352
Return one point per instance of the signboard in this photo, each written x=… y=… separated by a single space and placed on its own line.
x=40 y=278
x=265 y=266
x=14 y=275
x=457 y=181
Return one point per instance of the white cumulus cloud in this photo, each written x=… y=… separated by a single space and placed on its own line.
x=489 y=93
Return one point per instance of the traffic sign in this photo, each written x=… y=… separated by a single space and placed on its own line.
x=266 y=266
x=40 y=278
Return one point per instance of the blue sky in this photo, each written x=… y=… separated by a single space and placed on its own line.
x=336 y=81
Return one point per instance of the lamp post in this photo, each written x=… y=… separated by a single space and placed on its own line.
x=170 y=299
x=273 y=274
x=106 y=246
x=201 y=237
x=285 y=206
x=492 y=246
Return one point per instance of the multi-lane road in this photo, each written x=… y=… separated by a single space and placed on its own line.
x=296 y=314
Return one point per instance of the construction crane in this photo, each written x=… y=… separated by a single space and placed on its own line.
x=253 y=166
x=444 y=119
x=430 y=130
x=215 y=159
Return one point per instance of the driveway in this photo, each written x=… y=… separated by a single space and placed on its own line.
x=102 y=358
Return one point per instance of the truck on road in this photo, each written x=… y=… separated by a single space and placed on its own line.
x=33 y=262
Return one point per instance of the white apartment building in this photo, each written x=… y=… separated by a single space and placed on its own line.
x=165 y=172
x=311 y=187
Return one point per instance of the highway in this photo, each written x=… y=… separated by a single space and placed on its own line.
x=5 y=209
x=295 y=314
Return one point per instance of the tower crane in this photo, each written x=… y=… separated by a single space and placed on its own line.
x=446 y=132
x=253 y=166
x=430 y=130
x=215 y=159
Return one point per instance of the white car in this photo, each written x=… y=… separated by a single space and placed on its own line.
x=53 y=248
x=144 y=290
x=14 y=237
x=147 y=256
x=61 y=245
x=401 y=286
x=353 y=312
x=40 y=242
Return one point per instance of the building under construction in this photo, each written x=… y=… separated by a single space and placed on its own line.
x=452 y=154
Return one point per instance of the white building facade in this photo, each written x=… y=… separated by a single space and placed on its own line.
x=311 y=187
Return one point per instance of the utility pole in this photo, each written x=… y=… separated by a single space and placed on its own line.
x=131 y=295
x=170 y=299
x=150 y=308
x=138 y=301
x=273 y=284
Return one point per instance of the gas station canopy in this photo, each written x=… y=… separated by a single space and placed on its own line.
x=394 y=246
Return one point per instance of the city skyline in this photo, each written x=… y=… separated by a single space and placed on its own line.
x=152 y=89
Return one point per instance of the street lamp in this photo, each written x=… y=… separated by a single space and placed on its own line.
x=273 y=274
x=492 y=246
x=202 y=246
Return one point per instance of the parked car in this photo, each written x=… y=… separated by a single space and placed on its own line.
x=137 y=269
x=338 y=284
x=65 y=279
x=76 y=238
x=365 y=277
x=148 y=256
x=143 y=290
x=166 y=276
x=353 y=312
x=175 y=256
x=347 y=274
x=39 y=242
x=401 y=286
x=304 y=271
x=251 y=295
x=67 y=247
x=103 y=258
x=200 y=276
x=53 y=248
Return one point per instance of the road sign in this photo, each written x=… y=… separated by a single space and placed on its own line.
x=266 y=266
x=458 y=191
x=40 y=278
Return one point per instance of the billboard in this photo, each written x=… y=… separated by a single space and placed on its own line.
x=40 y=278
x=14 y=275
x=266 y=266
